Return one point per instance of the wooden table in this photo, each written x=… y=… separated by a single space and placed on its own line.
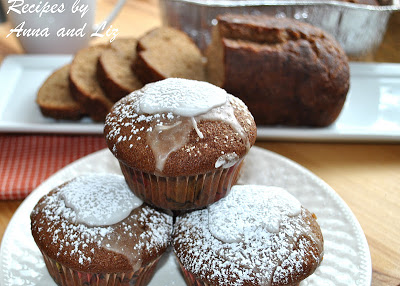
x=366 y=176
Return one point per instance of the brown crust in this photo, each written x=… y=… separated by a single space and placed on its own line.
x=61 y=114
x=104 y=261
x=144 y=71
x=150 y=67
x=110 y=80
x=300 y=75
x=196 y=156
x=92 y=98
x=58 y=108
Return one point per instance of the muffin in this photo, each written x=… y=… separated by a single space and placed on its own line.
x=257 y=235
x=92 y=230
x=180 y=142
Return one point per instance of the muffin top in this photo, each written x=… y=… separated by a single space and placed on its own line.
x=94 y=223
x=179 y=127
x=257 y=235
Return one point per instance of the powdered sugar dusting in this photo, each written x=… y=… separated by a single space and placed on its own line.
x=182 y=97
x=168 y=124
x=100 y=199
x=264 y=207
x=233 y=242
x=145 y=230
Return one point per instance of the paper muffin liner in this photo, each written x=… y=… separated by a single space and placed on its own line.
x=66 y=276
x=190 y=278
x=183 y=192
x=193 y=280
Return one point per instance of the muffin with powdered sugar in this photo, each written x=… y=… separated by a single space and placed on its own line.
x=256 y=235
x=179 y=142
x=93 y=231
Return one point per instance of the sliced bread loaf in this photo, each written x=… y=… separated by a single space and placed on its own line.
x=114 y=69
x=166 y=52
x=54 y=97
x=287 y=72
x=84 y=85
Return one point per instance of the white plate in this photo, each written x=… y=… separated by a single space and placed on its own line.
x=371 y=111
x=20 y=80
x=346 y=261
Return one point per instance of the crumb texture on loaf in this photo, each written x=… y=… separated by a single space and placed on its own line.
x=287 y=72
x=114 y=69
x=166 y=52
x=257 y=235
x=85 y=87
x=54 y=97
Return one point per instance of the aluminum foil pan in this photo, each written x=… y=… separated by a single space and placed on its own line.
x=358 y=28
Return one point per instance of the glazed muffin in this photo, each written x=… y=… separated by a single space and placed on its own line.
x=92 y=230
x=180 y=142
x=257 y=235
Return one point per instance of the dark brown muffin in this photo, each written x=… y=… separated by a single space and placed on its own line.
x=92 y=229
x=287 y=72
x=180 y=161
x=257 y=235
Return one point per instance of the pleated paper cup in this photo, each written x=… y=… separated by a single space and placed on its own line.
x=183 y=192
x=66 y=276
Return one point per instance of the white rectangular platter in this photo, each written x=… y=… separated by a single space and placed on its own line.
x=20 y=79
x=371 y=112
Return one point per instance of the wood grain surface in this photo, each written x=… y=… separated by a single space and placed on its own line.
x=366 y=176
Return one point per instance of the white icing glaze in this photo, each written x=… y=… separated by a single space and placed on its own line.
x=225 y=113
x=257 y=235
x=247 y=209
x=99 y=199
x=183 y=97
x=170 y=122
x=227 y=160
x=167 y=138
x=81 y=242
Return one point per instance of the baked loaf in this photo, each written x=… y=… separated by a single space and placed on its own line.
x=93 y=228
x=85 y=87
x=257 y=235
x=54 y=97
x=287 y=72
x=166 y=52
x=180 y=142
x=114 y=69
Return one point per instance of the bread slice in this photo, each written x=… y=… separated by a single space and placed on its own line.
x=166 y=52
x=54 y=97
x=84 y=85
x=114 y=69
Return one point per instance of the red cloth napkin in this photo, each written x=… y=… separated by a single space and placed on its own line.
x=28 y=160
